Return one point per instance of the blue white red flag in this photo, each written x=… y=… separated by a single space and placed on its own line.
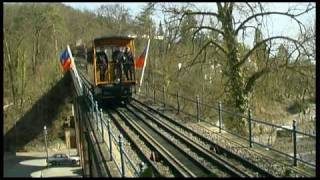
x=65 y=60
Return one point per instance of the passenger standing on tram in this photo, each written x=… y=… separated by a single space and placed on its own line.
x=103 y=66
x=117 y=66
x=128 y=65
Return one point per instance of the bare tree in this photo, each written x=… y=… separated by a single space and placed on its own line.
x=116 y=17
x=230 y=27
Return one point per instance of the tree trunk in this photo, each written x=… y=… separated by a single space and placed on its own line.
x=22 y=79
x=35 y=51
x=237 y=99
x=56 y=46
x=34 y=58
x=10 y=72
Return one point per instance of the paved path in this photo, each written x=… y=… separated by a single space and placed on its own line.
x=32 y=164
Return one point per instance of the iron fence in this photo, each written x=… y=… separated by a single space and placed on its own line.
x=285 y=140
x=103 y=126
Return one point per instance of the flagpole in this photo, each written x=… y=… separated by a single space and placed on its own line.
x=73 y=65
x=72 y=61
x=144 y=65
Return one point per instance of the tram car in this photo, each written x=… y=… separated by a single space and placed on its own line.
x=107 y=70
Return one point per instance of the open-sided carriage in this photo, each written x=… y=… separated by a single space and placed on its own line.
x=108 y=70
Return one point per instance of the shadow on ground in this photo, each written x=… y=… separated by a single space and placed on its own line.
x=44 y=112
x=77 y=171
x=33 y=164
x=21 y=166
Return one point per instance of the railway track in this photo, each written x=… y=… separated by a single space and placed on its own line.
x=133 y=142
x=181 y=163
x=233 y=163
x=218 y=166
x=211 y=163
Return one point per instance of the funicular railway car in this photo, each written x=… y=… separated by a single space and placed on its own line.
x=109 y=70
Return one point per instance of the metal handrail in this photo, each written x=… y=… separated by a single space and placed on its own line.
x=83 y=89
x=130 y=161
x=236 y=114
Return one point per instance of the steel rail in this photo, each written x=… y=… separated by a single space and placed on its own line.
x=193 y=164
x=245 y=162
x=212 y=158
x=168 y=156
x=132 y=142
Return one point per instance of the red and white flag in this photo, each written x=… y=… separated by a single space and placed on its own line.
x=140 y=60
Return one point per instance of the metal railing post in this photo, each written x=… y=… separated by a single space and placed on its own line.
x=147 y=84
x=154 y=96
x=163 y=96
x=250 y=131
x=178 y=103
x=87 y=90
x=97 y=116
x=101 y=120
x=123 y=172
x=198 y=114
x=294 y=134
x=45 y=132
x=141 y=168
x=220 y=116
x=110 y=136
x=92 y=104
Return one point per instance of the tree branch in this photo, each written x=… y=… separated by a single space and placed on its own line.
x=189 y=12
x=252 y=10
x=201 y=13
x=193 y=61
x=293 y=16
x=262 y=42
x=251 y=81
x=207 y=27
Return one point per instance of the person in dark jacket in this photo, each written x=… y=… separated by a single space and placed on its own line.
x=117 y=56
x=128 y=64
x=103 y=59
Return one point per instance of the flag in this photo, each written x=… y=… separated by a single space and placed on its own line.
x=65 y=60
x=140 y=61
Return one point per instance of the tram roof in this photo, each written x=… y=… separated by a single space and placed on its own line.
x=113 y=38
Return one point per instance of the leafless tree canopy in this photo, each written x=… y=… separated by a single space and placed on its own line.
x=232 y=21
